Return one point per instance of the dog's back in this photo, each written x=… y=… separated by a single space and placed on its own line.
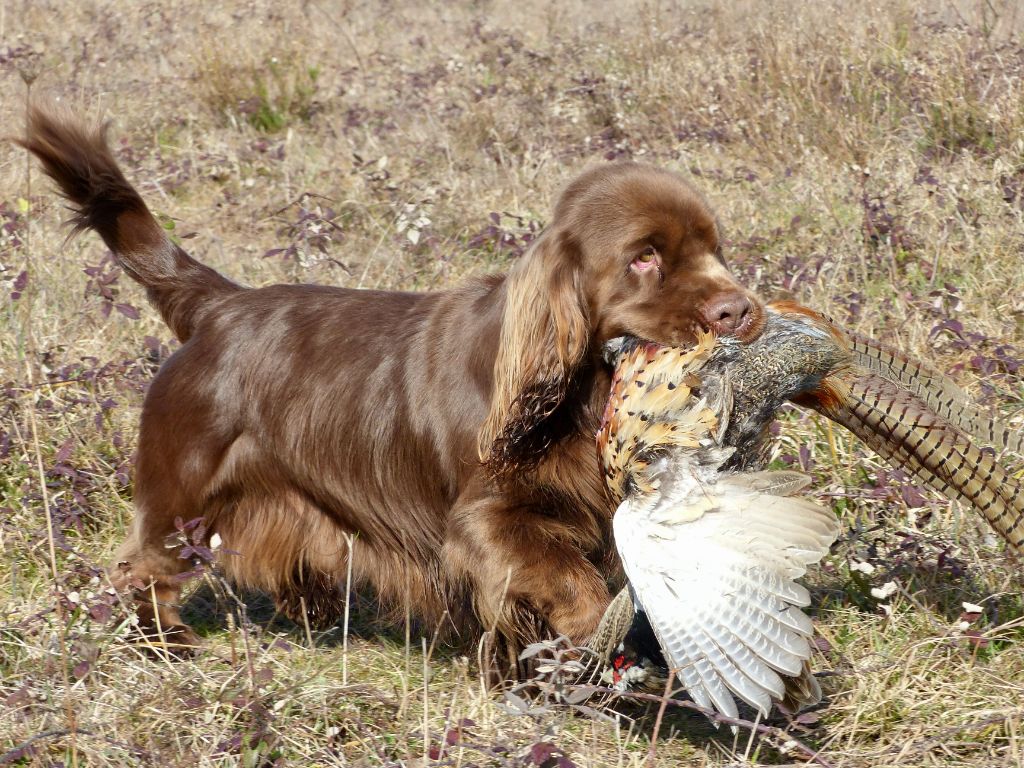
x=286 y=419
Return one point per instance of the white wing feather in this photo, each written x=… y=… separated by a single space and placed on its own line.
x=713 y=567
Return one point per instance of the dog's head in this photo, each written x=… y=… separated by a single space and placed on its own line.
x=631 y=250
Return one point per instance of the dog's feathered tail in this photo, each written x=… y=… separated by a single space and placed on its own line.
x=81 y=163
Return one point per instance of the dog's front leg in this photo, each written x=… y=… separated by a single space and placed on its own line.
x=528 y=572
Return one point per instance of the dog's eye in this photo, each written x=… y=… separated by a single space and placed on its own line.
x=647 y=259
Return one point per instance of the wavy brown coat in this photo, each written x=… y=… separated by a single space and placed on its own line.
x=452 y=432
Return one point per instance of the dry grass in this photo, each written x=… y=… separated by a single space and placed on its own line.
x=869 y=161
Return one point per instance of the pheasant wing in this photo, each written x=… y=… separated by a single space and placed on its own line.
x=719 y=590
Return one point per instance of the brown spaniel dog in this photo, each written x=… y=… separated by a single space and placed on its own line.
x=452 y=433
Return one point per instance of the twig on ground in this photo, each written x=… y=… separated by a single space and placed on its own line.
x=653 y=749
x=768 y=730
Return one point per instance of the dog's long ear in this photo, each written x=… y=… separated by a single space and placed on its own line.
x=544 y=337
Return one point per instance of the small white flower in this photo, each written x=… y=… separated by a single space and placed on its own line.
x=972 y=608
x=886 y=607
x=866 y=568
x=886 y=590
x=73 y=598
x=333 y=731
x=963 y=626
x=215 y=541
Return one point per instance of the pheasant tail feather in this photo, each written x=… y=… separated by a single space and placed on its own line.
x=937 y=391
x=900 y=426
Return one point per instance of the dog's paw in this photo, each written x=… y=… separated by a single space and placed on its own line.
x=175 y=642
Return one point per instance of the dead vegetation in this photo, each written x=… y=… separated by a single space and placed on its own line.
x=867 y=160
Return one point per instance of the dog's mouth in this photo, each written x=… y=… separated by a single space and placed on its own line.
x=749 y=329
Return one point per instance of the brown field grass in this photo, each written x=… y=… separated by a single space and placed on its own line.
x=868 y=161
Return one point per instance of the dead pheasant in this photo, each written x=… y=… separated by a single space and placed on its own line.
x=711 y=547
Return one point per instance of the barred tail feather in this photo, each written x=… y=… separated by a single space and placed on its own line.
x=937 y=390
x=900 y=427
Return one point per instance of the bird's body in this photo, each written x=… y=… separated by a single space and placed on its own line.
x=710 y=552
x=710 y=542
